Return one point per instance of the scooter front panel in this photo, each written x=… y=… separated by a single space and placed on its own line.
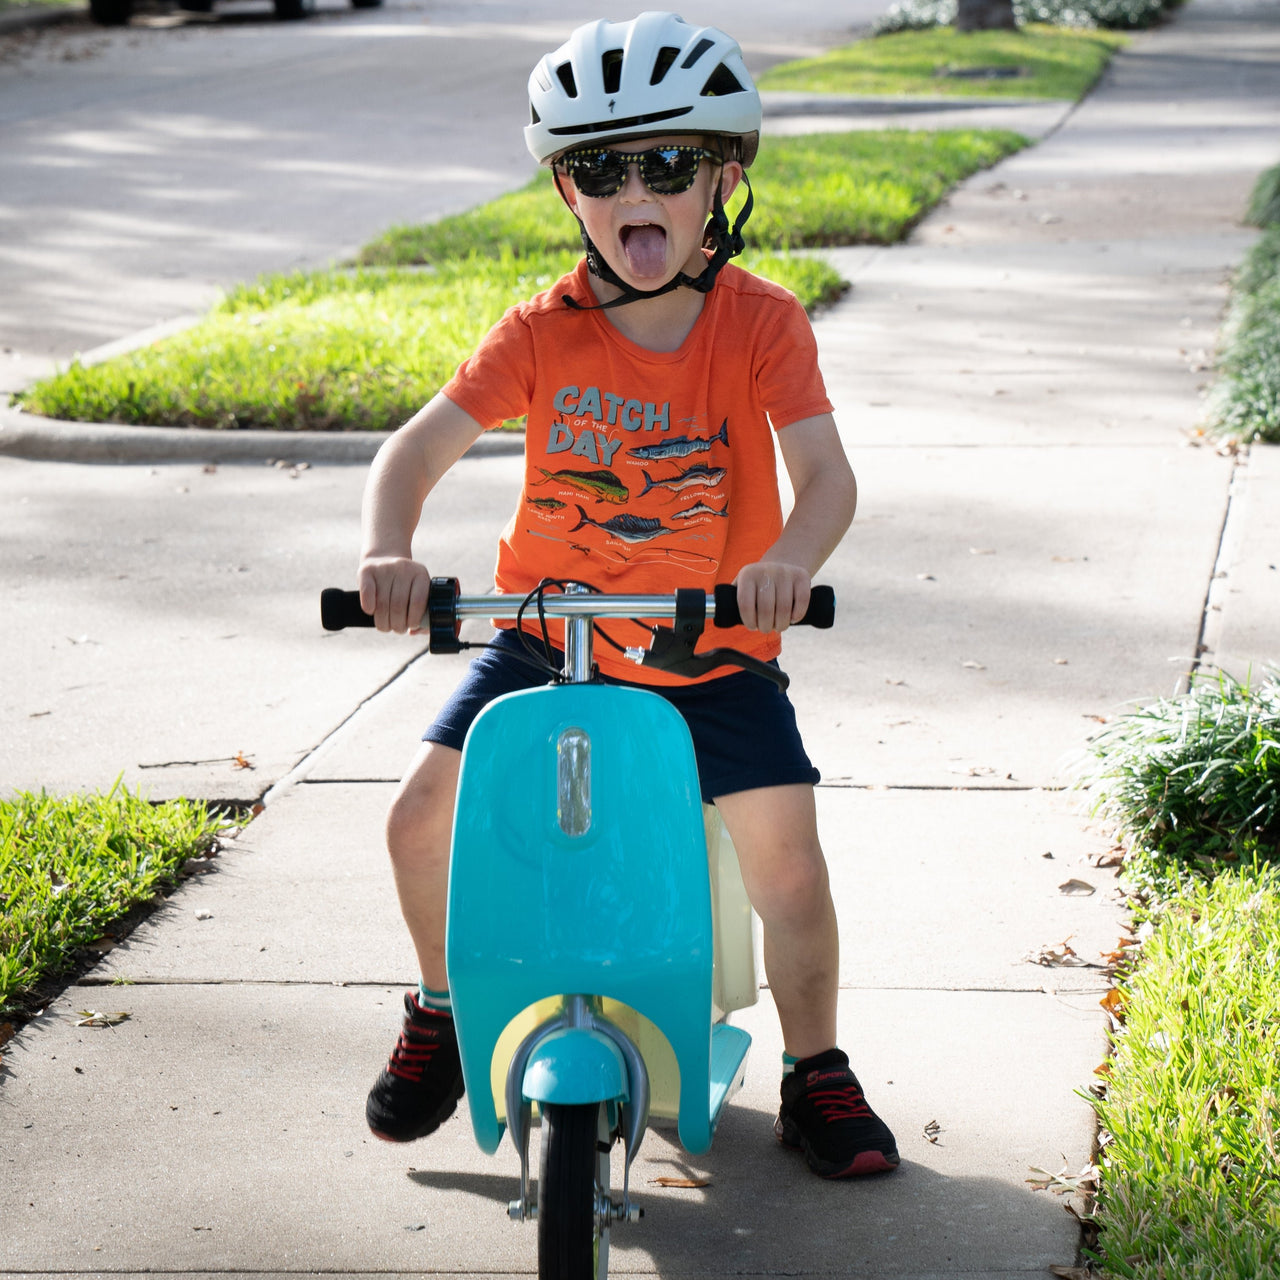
x=617 y=905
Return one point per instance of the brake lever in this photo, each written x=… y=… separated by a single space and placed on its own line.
x=673 y=653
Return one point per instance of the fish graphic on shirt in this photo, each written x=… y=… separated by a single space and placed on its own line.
x=681 y=446
x=699 y=473
x=626 y=526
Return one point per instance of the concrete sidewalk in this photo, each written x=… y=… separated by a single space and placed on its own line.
x=1037 y=544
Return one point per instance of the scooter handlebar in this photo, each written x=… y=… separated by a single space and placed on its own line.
x=820 y=613
x=341 y=609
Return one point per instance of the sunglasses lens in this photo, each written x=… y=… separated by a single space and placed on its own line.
x=670 y=170
x=666 y=170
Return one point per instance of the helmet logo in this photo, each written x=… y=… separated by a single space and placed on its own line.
x=613 y=102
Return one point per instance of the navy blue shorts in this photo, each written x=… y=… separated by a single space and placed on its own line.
x=743 y=726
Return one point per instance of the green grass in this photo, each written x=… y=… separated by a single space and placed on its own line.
x=1190 y=1175
x=364 y=349
x=1192 y=783
x=70 y=866
x=1244 y=402
x=1048 y=62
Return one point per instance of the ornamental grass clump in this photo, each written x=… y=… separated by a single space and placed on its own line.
x=917 y=15
x=1192 y=783
x=1244 y=402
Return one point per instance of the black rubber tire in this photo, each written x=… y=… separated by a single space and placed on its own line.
x=567 y=1228
x=366 y=4
x=110 y=13
x=291 y=10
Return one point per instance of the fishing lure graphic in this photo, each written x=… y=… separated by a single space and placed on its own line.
x=681 y=446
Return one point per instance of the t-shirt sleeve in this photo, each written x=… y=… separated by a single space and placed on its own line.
x=495 y=383
x=788 y=378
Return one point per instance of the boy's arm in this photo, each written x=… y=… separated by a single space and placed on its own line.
x=774 y=592
x=393 y=586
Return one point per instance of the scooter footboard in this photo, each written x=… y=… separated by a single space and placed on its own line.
x=579 y=866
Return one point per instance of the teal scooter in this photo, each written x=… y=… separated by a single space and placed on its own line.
x=598 y=933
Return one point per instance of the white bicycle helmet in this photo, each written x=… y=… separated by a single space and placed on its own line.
x=615 y=81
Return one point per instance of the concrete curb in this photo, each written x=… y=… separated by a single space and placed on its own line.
x=35 y=439
x=38 y=16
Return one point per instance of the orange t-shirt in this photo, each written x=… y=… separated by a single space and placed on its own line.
x=646 y=470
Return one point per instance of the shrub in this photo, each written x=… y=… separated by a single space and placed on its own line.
x=1193 y=782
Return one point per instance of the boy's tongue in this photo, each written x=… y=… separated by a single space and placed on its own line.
x=646 y=250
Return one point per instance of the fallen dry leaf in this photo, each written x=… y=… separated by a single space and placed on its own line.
x=1112 y=858
x=681 y=1182
x=1113 y=1003
x=1059 y=956
x=1063 y=1182
x=92 y=1018
x=1076 y=888
x=932 y=1130
x=241 y=761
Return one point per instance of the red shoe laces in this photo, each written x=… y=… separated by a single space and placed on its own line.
x=409 y=1058
x=845 y=1101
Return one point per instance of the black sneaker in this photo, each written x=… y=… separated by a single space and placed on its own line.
x=419 y=1088
x=825 y=1114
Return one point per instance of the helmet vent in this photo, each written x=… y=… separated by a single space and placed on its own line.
x=662 y=63
x=721 y=83
x=611 y=70
x=564 y=73
x=696 y=52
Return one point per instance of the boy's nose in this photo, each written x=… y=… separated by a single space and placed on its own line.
x=633 y=184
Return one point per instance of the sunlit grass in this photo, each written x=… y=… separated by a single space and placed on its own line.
x=71 y=865
x=1038 y=61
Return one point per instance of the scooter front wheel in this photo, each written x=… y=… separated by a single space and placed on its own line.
x=573 y=1192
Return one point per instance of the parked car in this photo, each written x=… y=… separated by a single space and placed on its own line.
x=115 y=13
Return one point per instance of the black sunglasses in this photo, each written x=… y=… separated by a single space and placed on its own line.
x=667 y=171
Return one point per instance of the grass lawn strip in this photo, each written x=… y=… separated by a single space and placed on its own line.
x=1033 y=62
x=70 y=866
x=1190 y=1155
x=1190 y=1112
x=365 y=349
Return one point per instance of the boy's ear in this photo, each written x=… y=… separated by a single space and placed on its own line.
x=568 y=192
x=730 y=177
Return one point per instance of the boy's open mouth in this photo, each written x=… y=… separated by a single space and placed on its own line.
x=645 y=246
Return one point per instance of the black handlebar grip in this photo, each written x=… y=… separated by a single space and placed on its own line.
x=820 y=613
x=340 y=609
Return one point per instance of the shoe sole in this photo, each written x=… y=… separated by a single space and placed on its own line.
x=447 y=1109
x=864 y=1163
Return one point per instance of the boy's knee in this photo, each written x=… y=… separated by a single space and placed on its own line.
x=420 y=818
x=794 y=887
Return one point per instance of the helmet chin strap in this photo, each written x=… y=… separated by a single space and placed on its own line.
x=723 y=241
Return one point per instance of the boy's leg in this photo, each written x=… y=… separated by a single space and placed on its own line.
x=419 y=831
x=420 y=1086
x=823 y=1111
x=775 y=832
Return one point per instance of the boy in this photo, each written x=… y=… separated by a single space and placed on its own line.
x=650 y=376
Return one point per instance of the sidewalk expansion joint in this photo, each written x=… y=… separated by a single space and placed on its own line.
x=300 y=770
x=843 y=784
